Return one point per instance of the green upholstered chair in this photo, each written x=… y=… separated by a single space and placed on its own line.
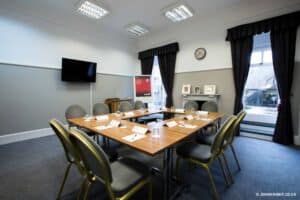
x=210 y=106
x=204 y=155
x=71 y=153
x=125 y=106
x=121 y=178
x=100 y=109
x=75 y=111
x=139 y=105
x=191 y=106
x=230 y=138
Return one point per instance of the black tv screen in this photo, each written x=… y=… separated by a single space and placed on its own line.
x=78 y=70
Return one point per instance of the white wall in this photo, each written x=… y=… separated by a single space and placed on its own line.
x=26 y=40
x=210 y=32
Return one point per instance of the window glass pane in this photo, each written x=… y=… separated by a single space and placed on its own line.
x=158 y=92
x=268 y=56
x=261 y=87
x=256 y=57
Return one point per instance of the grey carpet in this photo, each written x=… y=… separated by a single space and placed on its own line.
x=34 y=169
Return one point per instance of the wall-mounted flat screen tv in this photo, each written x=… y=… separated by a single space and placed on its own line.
x=78 y=70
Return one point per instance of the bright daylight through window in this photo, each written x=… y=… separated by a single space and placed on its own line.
x=158 y=91
x=261 y=96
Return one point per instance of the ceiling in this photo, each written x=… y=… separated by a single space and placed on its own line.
x=123 y=12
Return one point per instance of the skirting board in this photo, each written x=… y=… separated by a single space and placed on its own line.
x=257 y=136
x=269 y=138
x=297 y=140
x=26 y=135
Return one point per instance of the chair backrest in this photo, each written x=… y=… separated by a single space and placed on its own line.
x=100 y=109
x=191 y=105
x=221 y=134
x=139 y=105
x=74 y=111
x=125 y=106
x=92 y=156
x=235 y=127
x=210 y=106
x=64 y=137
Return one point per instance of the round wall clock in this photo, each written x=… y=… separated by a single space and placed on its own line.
x=200 y=53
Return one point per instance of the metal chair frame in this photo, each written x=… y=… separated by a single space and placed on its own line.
x=92 y=178
x=70 y=152
x=216 y=150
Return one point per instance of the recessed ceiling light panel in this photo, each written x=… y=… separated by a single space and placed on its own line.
x=178 y=12
x=136 y=29
x=92 y=9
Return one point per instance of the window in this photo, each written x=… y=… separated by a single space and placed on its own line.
x=261 y=96
x=261 y=56
x=158 y=91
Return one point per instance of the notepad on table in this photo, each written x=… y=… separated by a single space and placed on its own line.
x=128 y=114
x=101 y=117
x=171 y=124
x=133 y=137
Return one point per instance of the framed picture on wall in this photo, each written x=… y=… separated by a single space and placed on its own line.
x=197 y=90
x=186 y=89
x=210 y=89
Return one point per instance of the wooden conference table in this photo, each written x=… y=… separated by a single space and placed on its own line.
x=163 y=140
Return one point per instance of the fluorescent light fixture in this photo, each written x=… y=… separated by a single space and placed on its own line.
x=178 y=12
x=136 y=29
x=92 y=9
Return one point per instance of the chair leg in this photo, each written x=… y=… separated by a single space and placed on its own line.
x=177 y=169
x=227 y=167
x=212 y=184
x=81 y=188
x=86 y=191
x=223 y=171
x=98 y=141
x=235 y=157
x=64 y=180
x=150 y=190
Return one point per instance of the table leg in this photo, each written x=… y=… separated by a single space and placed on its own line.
x=167 y=172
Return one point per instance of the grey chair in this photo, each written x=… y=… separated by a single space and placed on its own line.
x=210 y=106
x=71 y=153
x=100 y=109
x=204 y=155
x=75 y=111
x=229 y=140
x=191 y=106
x=125 y=106
x=122 y=178
x=139 y=105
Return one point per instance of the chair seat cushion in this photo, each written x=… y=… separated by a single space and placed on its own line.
x=206 y=139
x=126 y=173
x=195 y=151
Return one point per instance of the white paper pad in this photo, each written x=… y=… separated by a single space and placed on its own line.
x=179 y=110
x=171 y=124
x=189 y=117
x=114 y=123
x=87 y=119
x=102 y=117
x=102 y=127
x=205 y=119
x=128 y=114
x=133 y=137
x=139 y=130
x=187 y=126
x=203 y=113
